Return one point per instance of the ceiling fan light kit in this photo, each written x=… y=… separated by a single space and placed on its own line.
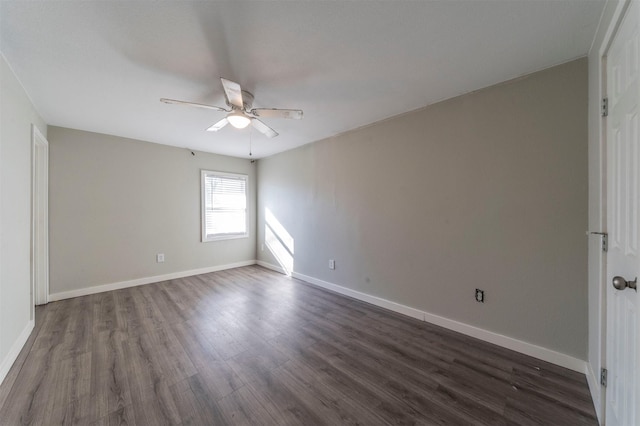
x=240 y=114
x=238 y=120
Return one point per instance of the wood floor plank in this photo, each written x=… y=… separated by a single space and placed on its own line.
x=253 y=364
x=249 y=346
x=121 y=417
x=109 y=388
x=170 y=301
x=195 y=403
x=532 y=410
x=104 y=312
x=395 y=397
x=196 y=344
x=282 y=403
x=156 y=407
x=345 y=409
x=136 y=313
x=327 y=408
x=223 y=342
x=569 y=395
x=220 y=379
x=154 y=360
x=485 y=390
x=242 y=408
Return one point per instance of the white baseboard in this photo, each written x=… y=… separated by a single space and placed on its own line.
x=378 y=301
x=271 y=266
x=17 y=346
x=526 y=348
x=521 y=346
x=596 y=390
x=146 y=280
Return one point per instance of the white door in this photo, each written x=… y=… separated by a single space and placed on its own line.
x=623 y=192
x=39 y=220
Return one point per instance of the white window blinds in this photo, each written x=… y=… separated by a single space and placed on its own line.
x=224 y=203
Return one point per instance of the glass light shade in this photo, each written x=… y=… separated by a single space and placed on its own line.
x=238 y=120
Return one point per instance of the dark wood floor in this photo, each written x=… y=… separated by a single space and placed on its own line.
x=250 y=346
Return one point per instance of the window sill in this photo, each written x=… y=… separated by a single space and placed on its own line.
x=225 y=237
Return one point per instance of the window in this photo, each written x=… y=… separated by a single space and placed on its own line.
x=224 y=206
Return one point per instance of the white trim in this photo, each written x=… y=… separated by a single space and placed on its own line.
x=526 y=348
x=272 y=267
x=595 y=35
x=523 y=347
x=11 y=357
x=612 y=29
x=205 y=238
x=39 y=206
x=146 y=280
x=595 y=389
x=374 y=300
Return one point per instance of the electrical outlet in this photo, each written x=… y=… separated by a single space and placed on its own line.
x=332 y=264
x=479 y=295
x=160 y=257
x=262 y=247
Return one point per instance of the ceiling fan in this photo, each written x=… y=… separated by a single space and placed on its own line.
x=240 y=114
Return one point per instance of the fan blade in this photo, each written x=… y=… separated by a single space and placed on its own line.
x=277 y=113
x=233 y=91
x=219 y=125
x=173 y=101
x=263 y=128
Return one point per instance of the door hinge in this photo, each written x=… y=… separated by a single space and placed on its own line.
x=604 y=238
x=603 y=377
x=604 y=108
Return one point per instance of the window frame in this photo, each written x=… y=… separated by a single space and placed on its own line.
x=203 y=206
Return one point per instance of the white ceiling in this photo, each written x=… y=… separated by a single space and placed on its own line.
x=102 y=66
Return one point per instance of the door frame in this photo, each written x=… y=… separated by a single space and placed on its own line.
x=39 y=214
x=610 y=34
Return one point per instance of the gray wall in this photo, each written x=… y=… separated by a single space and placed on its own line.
x=16 y=116
x=114 y=203
x=486 y=190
